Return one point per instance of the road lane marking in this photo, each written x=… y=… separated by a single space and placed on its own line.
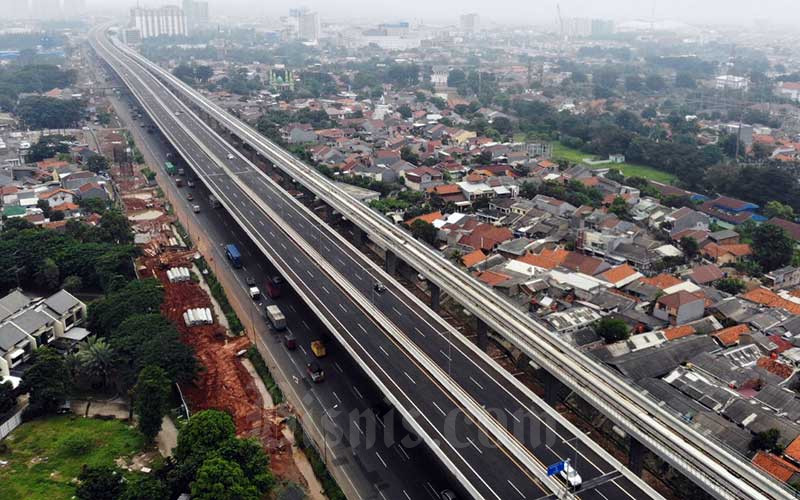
x=474 y=445
x=439 y=408
x=381 y=459
x=358 y=393
x=515 y=488
x=338 y=367
x=342 y=308
x=325 y=290
x=475 y=382
x=383 y=350
x=419 y=331
x=362 y=327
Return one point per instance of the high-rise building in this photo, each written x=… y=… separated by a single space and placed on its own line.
x=46 y=9
x=602 y=27
x=308 y=26
x=469 y=22
x=74 y=9
x=169 y=20
x=196 y=12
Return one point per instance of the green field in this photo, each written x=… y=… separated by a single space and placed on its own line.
x=44 y=455
x=561 y=152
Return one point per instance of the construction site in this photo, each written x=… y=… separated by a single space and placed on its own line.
x=227 y=380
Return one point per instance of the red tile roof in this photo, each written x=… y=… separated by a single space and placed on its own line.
x=678 y=299
x=792 y=228
x=782 y=370
x=678 y=332
x=618 y=273
x=775 y=466
x=706 y=274
x=547 y=259
x=769 y=298
x=429 y=218
x=492 y=278
x=662 y=281
x=793 y=450
x=582 y=263
x=473 y=258
x=730 y=336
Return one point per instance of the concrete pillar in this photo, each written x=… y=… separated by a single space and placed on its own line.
x=435 y=293
x=551 y=385
x=391 y=262
x=636 y=452
x=483 y=334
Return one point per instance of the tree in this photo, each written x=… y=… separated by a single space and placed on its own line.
x=8 y=398
x=503 y=125
x=184 y=72
x=690 y=247
x=96 y=359
x=47 y=274
x=405 y=111
x=100 y=483
x=685 y=80
x=655 y=83
x=97 y=163
x=145 y=487
x=619 y=207
x=46 y=381
x=409 y=155
x=220 y=479
x=39 y=112
x=767 y=440
x=151 y=395
x=612 y=329
x=605 y=77
x=456 y=78
x=250 y=456
x=772 y=247
x=733 y=286
x=56 y=216
x=615 y=175
x=634 y=83
x=424 y=231
x=203 y=73
x=778 y=209
x=203 y=434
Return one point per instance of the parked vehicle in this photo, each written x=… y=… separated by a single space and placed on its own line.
x=318 y=348
x=233 y=255
x=315 y=372
x=276 y=317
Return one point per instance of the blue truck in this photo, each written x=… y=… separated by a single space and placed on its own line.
x=233 y=255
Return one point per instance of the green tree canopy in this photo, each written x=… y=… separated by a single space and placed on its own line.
x=778 y=209
x=220 y=479
x=612 y=329
x=733 y=286
x=203 y=434
x=145 y=487
x=46 y=381
x=39 y=112
x=100 y=483
x=772 y=247
x=151 y=395
x=7 y=398
x=424 y=231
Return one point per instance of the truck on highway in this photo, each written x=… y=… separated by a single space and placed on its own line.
x=170 y=168
x=318 y=348
x=276 y=317
x=213 y=201
x=232 y=252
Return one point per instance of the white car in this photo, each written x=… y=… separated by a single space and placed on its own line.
x=255 y=293
x=230 y=156
x=571 y=476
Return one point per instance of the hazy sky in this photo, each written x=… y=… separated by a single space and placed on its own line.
x=520 y=11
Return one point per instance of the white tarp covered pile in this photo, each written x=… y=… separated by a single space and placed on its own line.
x=177 y=274
x=199 y=316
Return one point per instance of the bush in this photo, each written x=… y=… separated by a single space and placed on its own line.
x=75 y=444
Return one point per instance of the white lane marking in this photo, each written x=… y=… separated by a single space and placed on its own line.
x=445 y=355
x=261 y=222
x=272 y=234
x=342 y=308
x=511 y=414
x=294 y=310
x=358 y=276
x=419 y=331
x=396 y=311
x=304 y=350
x=305 y=324
x=382 y=495
x=439 y=408
x=402 y=451
x=381 y=459
x=325 y=290
x=406 y=494
x=475 y=382
x=362 y=327
x=474 y=445
x=383 y=350
x=309 y=273
x=326 y=248
x=513 y=486
x=409 y=378
x=337 y=397
x=358 y=427
x=358 y=393
x=338 y=367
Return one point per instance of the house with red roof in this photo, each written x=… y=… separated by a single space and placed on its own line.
x=679 y=308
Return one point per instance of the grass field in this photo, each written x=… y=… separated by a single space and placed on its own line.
x=44 y=455
x=561 y=152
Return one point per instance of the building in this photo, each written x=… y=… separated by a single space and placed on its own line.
x=730 y=82
x=679 y=308
x=469 y=22
x=163 y=21
x=785 y=277
x=602 y=27
x=790 y=90
x=196 y=12
x=308 y=26
x=132 y=36
x=27 y=324
x=45 y=9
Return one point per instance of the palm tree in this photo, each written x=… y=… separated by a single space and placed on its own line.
x=96 y=359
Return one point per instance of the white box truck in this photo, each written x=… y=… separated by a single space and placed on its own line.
x=276 y=317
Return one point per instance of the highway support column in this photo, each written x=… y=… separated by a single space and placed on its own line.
x=435 y=295
x=551 y=388
x=391 y=262
x=636 y=453
x=483 y=333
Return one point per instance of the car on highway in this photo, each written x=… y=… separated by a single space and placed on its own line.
x=189 y=197
x=273 y=290
x=290 y=341
x=570 y=476
x=196 y=209
x=448 y=495
x=255 y=293
x=190 y=183
x=230 y=156
x=379 y=287
x=315 y=372
x=277 y=279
